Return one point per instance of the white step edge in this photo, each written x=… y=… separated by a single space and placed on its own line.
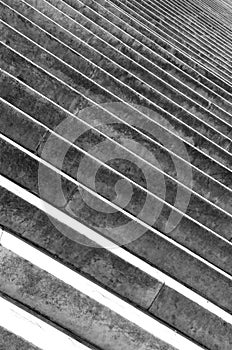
x=34 y=330
x=96 y=292
x=113 y=248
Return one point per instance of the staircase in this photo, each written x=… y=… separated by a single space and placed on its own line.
x=116 y=174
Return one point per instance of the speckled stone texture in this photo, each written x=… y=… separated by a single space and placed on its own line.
x=146 y=79
x=9 y=341
x=180 y=312
x=95 y=263
x=71 y=309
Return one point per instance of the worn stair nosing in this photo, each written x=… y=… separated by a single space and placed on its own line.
x=110 y=139
x=184 y=277
x=124 y=122
x=185 y=25
x=132 y=48
x=127 y=214
x=96 y=292
x=222 y=70
x=195 y=44
x=33 y=329
x=120 y=252
x=217 y=117
x=145 y=98
x=130 y=180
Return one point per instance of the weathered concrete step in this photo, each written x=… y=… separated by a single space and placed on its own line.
x=214 y=61
x=199 y=324
x=183 y=264
x=171 y=30
x=58 y=49
x=197 y=19
x=160 y=68
x=151 y=34
x=21 y=167
x=145 y=45
x=197 y=35
x=77 y=80
x=21 y=329
x=202 y=18
x=16 y=126
x=19 y=95
x=9 y=341
x=208 y=8
x=72 y=248
x=215 y=65
x=71 y=101
x=223 y=10
x=205 y=16
x=227 y=6
x=71 y=308
x=164 y=305
x=189 y=24
x=208 y=114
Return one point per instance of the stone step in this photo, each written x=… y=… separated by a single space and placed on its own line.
x=172 y=31
x=15 y=124
x=203 y=18
x=144 y=45
x=154 y=86
x=185 y=34
x=19 y=94
x=19 y=165
x=76 y=304
x=37 y=291
x=187 y=23
x=22 y=330
x=202 y=15
x=115 y=174
x=10 y=341
x=159 y=119
x=213 y=64
x=18 y=127
x=213 y=13
x=69 y=100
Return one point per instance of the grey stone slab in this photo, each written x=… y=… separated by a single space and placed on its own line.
x=30 y=102
x=147 y=37
x=185 y=24
x=110 y=35
x=22 y=169
x=71 y=309
x=64 y=96
x=180 y=110
x=216 y=67
x=96 y=57
x=36 y=78
x=52 y=116
x=170 y=31
x=184 y=268
x=149 y=247
x=98 y=95
x=43 y=181
x=9 y=341
x=191 y=319
x=18 y=127
x=76 y=251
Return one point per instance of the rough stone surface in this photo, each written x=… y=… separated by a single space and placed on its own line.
x=77 y=252
x=147 y=81
x=9 y=341
x=199 y=324
x=81 y=83
x=71 y=309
